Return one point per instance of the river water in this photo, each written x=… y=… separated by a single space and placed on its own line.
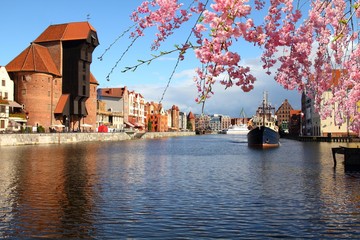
x=209 y=186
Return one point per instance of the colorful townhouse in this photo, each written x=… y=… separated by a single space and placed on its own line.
x=136 y=114
x=113 y=107
x=283 y=116
x=120 y=109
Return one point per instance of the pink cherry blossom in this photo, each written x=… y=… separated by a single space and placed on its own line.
x=302 y=46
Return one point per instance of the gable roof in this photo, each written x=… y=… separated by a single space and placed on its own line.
x=66 y=32
x=35 y=58
x=191 y=115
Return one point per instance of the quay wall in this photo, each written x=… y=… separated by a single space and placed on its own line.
x=327 y=139
x=150 y=135
x=61 y=138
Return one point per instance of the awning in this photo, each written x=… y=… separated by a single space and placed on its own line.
x=17 y=119
x=58 y=125
x=129 y=124
x=138 y=124
x=14 y=104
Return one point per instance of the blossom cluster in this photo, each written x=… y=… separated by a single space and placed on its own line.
x=304 y=48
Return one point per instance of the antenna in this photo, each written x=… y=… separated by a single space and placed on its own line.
x=88 y=17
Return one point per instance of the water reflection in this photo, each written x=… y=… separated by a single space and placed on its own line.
x=190 y=187
x=48 y=189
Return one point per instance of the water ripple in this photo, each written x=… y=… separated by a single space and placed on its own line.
x=177 y=188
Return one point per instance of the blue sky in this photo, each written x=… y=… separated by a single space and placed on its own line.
x=23 y=21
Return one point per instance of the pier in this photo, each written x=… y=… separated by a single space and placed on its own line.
x=327 y=139
x=351 y=155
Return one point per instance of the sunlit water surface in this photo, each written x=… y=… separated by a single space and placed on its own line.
x=210 y=186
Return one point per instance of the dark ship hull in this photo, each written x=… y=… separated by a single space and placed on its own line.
x=263 y=137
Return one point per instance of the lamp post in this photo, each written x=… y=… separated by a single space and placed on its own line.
x=301 y=127
x=27 y=119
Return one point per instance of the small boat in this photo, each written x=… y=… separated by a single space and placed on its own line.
x=237 y=129
x=263 y=129
x=241 y=128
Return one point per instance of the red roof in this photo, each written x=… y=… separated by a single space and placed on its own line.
x=59 y=109
x=111 y=92
x=66 y=32
x=191 y=115
x=35 y=58
x=93 y=79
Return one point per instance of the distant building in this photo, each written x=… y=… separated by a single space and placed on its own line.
x=136 y=115
x=313 y=125
x=243 y=119
x=225 y=122
x=202 y=123
x=156 y=118
x=173 y=118
x=182 y=121
x=219 y=122
x=52 y=76
x=215 y=123
x=283 y=116
x=191 y=122
x=295 y=122
x=112 y=105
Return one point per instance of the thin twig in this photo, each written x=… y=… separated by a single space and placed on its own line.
x=122 y=55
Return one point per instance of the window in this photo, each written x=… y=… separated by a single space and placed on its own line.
x=2 y=124
x=3 y=83
x=6 y=95
x=23 y=92
x=49 y=94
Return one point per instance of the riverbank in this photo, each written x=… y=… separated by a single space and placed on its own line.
x=61 y=138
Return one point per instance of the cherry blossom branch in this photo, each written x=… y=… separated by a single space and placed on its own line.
x=304 y=49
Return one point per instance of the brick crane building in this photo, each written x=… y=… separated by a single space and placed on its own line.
x=52 y=76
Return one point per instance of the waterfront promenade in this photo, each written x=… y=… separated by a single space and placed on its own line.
x=60 y=138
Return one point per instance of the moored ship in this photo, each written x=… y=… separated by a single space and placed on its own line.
x=263 y=129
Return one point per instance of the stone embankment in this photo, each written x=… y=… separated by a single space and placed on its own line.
x=61 y=138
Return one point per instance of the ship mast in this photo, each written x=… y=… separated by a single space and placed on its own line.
x=263 y=110
x=265 y=106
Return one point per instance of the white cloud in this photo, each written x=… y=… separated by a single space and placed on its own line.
x=182 y=92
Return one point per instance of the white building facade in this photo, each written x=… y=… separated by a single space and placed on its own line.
x=8 y=120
